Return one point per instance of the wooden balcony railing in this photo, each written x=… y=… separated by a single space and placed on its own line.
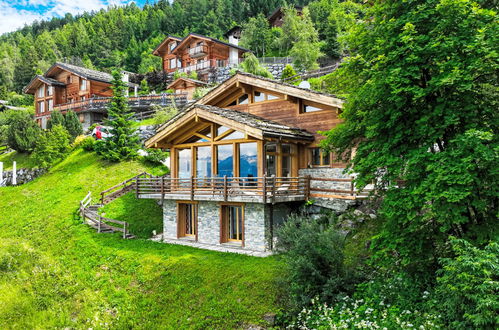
x=203 y=65
x=198 y=51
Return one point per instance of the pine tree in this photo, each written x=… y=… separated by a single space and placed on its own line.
x=123 y=142
x=144 y=88
x=72 y=124
x=56 y=118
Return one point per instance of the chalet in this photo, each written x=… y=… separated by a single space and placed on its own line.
x=277 y=17
x=186 y=86
x=198 y=53
x=65 y=85
x=242 y=158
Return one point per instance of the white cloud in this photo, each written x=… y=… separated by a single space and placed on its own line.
x=12 y=18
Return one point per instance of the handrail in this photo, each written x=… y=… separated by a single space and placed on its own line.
x=123 y=185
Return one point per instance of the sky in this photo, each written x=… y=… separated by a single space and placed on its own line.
x=15 y=14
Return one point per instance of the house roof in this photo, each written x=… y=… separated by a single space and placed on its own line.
x=241 y=121
x=169 y=37
x=195 y=35
x=272 y=85
x=194 y=81
x=35 y=82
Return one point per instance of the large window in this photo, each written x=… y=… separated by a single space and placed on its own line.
x=41 y=91
x=203 y=162
x=279 y=159
x=187 y=219
x=41 y=106
x=319 y=157
x=232 y=223
x=184 y=163
x=270 y=159
x=50 y=90
x=173 y=63
x=83 y=84
x=286 y=154
x=248 y=160
x=225 y=156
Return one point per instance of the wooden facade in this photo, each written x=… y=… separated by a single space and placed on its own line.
x=186 y=86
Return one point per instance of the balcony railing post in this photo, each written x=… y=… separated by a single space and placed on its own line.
x=192 y=188
x=273 y=189
x=307 y=187
x=162 y=190
x=225 y=188
x=264 y=189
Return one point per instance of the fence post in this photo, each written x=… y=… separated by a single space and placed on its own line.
x=137 y=188
x=264 y=189
x=1 y=172
x=273 y=189
x=192 y=188
x=307 y=187
x=162 y=190
x=351 y=188
x=124 y=230
x=225 y=188
x=14 y=173
x=99 y=226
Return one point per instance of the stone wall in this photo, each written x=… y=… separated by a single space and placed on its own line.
x=170 y=219
x=219 y=75
x=24 y=175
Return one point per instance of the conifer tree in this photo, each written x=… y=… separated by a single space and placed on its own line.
x=72 y=124
x=289 y=72
x=123 y=142
x=56 y=118
x=144 y=88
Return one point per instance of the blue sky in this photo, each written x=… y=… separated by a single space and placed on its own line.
x=15 y=13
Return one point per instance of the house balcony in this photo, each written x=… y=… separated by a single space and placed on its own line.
x=265 y=190
x=204 y=65
x=198 y=51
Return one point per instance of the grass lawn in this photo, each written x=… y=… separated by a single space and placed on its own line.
x=145 y=122
x=23 y=160
x=57 y=273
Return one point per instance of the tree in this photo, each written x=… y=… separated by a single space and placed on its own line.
x=52 y=146
x=144 y=88
x=422 y=116
x=72 y=124
x=256 y=35
x=322 y=14
x=289 y=72
x=22 y=131
x=253 y=66
x=56 y=118
x=123 y=143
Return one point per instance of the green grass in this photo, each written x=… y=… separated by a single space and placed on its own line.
x=57 y=273
x=145 y=122
x=143 y=215
x=23 y=160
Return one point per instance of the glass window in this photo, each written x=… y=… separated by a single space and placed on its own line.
x=286 y=165
x=232 y=217
x=243 y=99
x=83 y=84
x=286 y=148
x=50 y=90
x=310 y=108
x=326 y=158
x=234 y=135
x=172 y=45
x=259 y=96
x=50 y=105
x=184 y=163
x=315 y=156
x=271 y=167
x=221 y=130
x=233 y=103
x=248 y=160
x=41 y=106
x=190 y=219
x=225 y=164
x=271 y=147
x=41 y=91
x=173 y=63
x=203 y=162
x=272 y=97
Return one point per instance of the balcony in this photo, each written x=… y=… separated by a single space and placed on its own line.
x=198 y=51
x=266 y=190
x=204 y=65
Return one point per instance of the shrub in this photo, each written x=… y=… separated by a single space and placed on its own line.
x=289 y=72
x=253 y=66
x=467 y=286
x=85 y=142
x=56 y=118
x=156 y=156
x=52 y=146
x=199 y=92
x=22 y=131
x=72 y=124
x=313 y=253
x=163 y=114
x=144 y=88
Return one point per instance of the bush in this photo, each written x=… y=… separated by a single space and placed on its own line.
x=56 y=118
x=162 y=115
x=72 y=124
x=52 y=146
x=313 y=253
x=289 y=72
x=467 y=286
x=253 y=66
x=156 y=156
x=85 y=142
x=22 y=131
x=199 y=92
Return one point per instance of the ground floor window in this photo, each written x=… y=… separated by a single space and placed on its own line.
x=232 y=223
x=187 y=219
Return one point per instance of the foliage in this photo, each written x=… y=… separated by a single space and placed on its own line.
x=156 y=156
x=199 y=92
x=123 y=143
x=467 y=286
x=289 y=72
x=22 y=160
x=72 y=124
x=422 y=110
x=356 y=313
x=253 y=66
x=22 y=132
x=85 y=142
x=313 y=253
x=257 y=35
x=163 y=114
x=56 y=118
x=144 y=87
x=44 y=278
x=299 y=33
x=52 y=146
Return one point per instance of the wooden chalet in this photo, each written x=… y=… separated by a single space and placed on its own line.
x=242 y=158
x=277 y=17
x=186 y=86
x=64 y=85
x=197 y=53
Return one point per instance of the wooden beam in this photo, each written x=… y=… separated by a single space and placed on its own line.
x=224 y=134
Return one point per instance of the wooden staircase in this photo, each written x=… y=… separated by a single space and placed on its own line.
x=90 y=212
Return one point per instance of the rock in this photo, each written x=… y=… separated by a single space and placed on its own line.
x=358 y=213
x=269 y=318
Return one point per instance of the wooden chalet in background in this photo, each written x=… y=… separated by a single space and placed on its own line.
x=65 y=85
x=198 y=53
x=242 y=158
x=277 y=17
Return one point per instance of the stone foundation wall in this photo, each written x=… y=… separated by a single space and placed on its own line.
x=24 y=175
x=170 y=219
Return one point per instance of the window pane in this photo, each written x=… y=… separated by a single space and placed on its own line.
x=235 y=220
x=316 y=156
x=225 y=164
x=326 y=157
x=221 y=130
x=234 y=135
x=271 y=147
x=203 y=162
x=286 y=148
x=310 y=108
x=286 y=166
x=272 y=97
x=248 y=160
x=184 y=163
x=271 y=165
x=243 y=99
x=259 y=97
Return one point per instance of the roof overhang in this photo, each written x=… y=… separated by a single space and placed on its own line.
x=158 y=49
x=186 y=80
x=37 y=81
x=271 y=85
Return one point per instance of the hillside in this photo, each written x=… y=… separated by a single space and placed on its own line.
x=57 y=272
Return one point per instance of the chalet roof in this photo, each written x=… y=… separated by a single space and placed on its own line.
x=235 y=28
x=242 y=121
x=273 y=85
x=168 y=37
x=194 y=81
x=83 y=72
x=49 y=81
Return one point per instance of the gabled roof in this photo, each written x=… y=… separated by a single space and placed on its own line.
x=81 y=71
x=193 y=81
x=35 y=82
x=169 y=37
x=272 y=85
x=240 y=121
